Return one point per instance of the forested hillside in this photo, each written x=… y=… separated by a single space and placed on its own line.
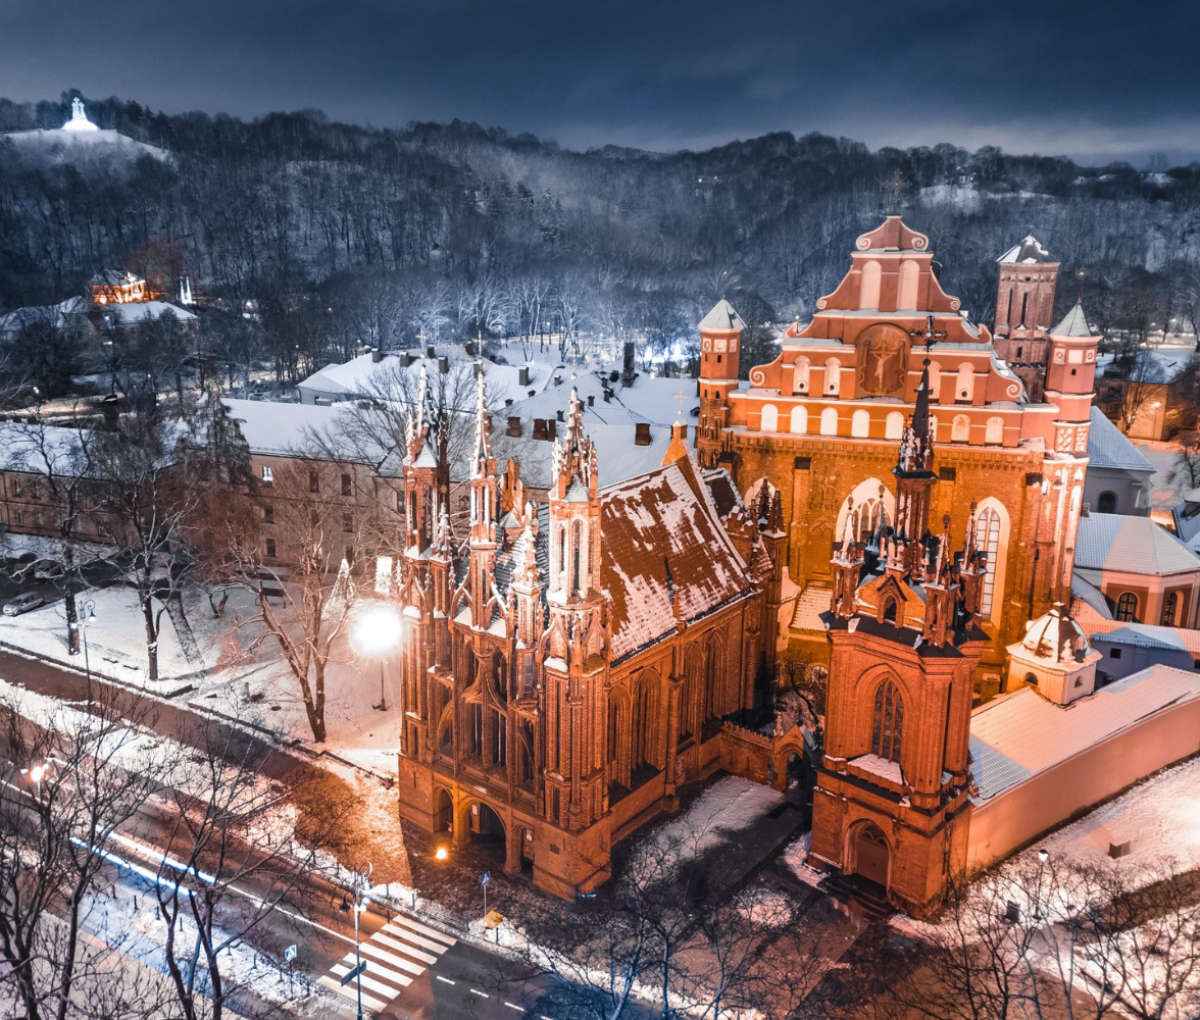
x=445 y=230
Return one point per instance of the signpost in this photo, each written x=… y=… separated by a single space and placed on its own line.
x=483 y=881
x=289 y=955
x=352 y=974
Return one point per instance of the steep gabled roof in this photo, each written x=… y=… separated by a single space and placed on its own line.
x=1074 y=323
x=1028 y=250
x=722 y=316
x=1135 y=545
x=665 y=557
x=1109 y=447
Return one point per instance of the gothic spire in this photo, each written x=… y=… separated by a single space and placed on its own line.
x=916 y=444
x=483 y=437
x=575 y=456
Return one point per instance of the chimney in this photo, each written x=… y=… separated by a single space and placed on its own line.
x=562 y=415
x=470 y=348
x=514 y=427
x=591 y=400
x=430 y=352
x=523 y=376
x=552 y=428
x=444 y=366
x=628 y=374
x=539 y=428
x=641 y=436
x=376 y=356
x=405 y=359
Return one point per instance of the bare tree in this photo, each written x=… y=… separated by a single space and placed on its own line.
x=234 y=857
x=1124 y=399
x=69 y=782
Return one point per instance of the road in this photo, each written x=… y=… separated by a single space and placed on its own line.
x=415 y=969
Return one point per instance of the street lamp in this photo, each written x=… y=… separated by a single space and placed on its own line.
x=89 y=614
x=360 y=887
x=378 y=631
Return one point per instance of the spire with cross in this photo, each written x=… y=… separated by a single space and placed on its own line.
x=928 y=334
x=681 y=397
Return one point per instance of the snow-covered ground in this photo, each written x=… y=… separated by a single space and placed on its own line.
x=722 y=811
x=116 y=637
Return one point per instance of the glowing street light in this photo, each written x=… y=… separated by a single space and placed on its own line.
x=376 y=633
x=441 y=853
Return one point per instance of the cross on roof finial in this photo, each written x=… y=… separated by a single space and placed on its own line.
x=681 y=397
x=895 y=184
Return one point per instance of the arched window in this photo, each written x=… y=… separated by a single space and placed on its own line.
x=964 y=387
x=894 y=428
x=868 y=295
x=1107 y=503
x=994 y=434
x=960 y=429
x=1127 y=606
x=910 y=273
x=1170 y=612
x=693 y=671
x=872 y=509
x=713 y=674
x=1031 y=679
x=833 y=377
x=860 y=424
x=829 y=422
x=889 y=610
x=991 y=536
x=888 y=730
x=800 y=376
x=799 y=422
x=576 y=562
x=770 y=418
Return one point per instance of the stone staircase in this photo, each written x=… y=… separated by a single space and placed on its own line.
x=810 y=604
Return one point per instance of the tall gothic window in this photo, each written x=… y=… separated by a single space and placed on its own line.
x=1170 y=609
x=987 y=538
x=889 y=722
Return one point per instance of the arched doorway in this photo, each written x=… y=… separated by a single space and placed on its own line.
x=485 y=825
x=443 y=810
x=871 y=853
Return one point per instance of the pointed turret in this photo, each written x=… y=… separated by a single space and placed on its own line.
x=574 y=513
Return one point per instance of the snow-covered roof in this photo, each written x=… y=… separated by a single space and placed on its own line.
x=19 y=318
x=665 y=557
x=365 y=377
x=1014 y=737
x=1149 y=635
x=647 y=398
x=1074 y=323
x=618 y=457
x=1083 y=590
x=1028 y=250
x=722 y=316
x=25 y=447
x=135 y=312
x=1163 y=363
x=308 y=430
x=1109 y=447
x=1135 y=545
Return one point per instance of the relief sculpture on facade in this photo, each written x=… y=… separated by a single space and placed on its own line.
x=882 y=361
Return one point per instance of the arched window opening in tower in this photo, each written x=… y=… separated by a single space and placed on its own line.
x=888 y=731
x=987 y=538
x=1170 y=613
x=1127 y=606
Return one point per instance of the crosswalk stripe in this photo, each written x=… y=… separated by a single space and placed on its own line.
x=416 y=926
x=351 y=992
x=403 y=933
x=403 y=947
x=375 y=981
x=391 y=959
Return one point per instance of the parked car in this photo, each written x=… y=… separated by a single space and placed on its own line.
x=23 y=603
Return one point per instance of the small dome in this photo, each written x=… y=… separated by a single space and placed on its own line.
x=1055 y=636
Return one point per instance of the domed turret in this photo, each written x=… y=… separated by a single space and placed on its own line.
x=1055 y=657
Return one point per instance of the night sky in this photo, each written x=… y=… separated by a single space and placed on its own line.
x=1094 y=80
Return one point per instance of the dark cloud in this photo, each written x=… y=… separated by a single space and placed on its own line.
x=1090 y=79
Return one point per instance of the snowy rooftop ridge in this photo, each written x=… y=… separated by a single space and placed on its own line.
x=1016 y=736
x=722 y=316
x=1132 y=544
x=1109 y=447
x=1074 y=323
x=1028 y=250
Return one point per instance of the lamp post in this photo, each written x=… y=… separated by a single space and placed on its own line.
x=360 y=885
x=377 y=632
x=1043 y=856
x=89 y=614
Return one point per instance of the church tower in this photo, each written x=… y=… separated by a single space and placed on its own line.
x=576 y=652
x=1024 y=311
x=720 y=343
x=891 y=808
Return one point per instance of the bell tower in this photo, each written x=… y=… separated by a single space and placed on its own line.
x=1025 y=309
x=720 y=348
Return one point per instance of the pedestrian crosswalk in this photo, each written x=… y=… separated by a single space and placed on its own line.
x=396 y=955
